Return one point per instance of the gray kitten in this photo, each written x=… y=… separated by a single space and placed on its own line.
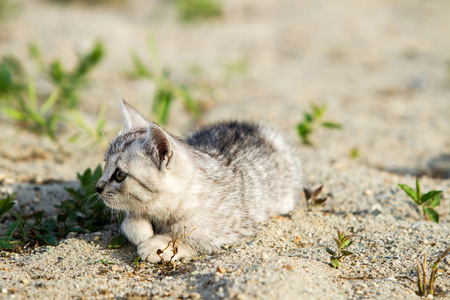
x=223 y=180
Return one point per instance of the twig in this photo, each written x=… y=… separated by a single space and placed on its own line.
x=419 y=279
x=424 y=270
x=373 y=278
x=174 y=243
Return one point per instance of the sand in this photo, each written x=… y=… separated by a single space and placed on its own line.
x=380 y=66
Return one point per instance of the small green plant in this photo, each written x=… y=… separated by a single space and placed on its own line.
x=342 y=242
x=7 y=203
x=103 y=261
x=45 y=114
x=95 y=133
x=69 y=82
x=422 y=280
x=312 y=199
x=354 y=153
x=136 y=261
x=11 y=78
x=312 y=120
x=25 y=111
x=41 y=230
x=79 y=214
x=166 y=90
x=428 y=201
x=117 y=242
x=83 y=213
x=197 y=10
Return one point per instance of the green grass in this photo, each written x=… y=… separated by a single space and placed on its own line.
x=355 y=153
x=12 y=81
x=198 y=10
x=50 y=114
x=83 y=212
x=424 y=288
x=342 y=242
x=69 y=82
x=312 y=121
x=167 y=91
x=428 y=201
x=95 y=133
x=7 y=203
x=25 y=110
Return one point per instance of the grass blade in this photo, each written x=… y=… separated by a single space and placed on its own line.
x=48 y=104
x=419 y=192
x=332 y=125
x=409 y=191
x=346 y=253
x=6 y=245
x=334 y=262
x=117 y=242
x=32 y=96
x=436 y=201
x=139 y=66
x=432 y=214
x=154 y=54
x=428 y=196
x=330 y=251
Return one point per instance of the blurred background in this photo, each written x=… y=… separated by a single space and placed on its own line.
x=364 y=81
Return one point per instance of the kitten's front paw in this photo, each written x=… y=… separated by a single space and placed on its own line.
x=137 y=230
x=148 y=250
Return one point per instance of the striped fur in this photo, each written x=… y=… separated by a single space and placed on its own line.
x=223 y=180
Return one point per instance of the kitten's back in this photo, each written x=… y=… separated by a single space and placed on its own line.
x=261 y=157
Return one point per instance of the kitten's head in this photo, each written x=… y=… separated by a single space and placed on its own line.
x=145 y=167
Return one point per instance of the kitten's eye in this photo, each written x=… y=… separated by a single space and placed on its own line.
x=119 y=176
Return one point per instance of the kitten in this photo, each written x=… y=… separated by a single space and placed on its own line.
x=223 y=180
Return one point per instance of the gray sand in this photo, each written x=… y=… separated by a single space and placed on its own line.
x=382 y=67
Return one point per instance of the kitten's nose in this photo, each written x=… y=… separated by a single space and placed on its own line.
x=100 y=186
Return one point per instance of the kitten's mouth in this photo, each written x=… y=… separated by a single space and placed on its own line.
x=107 y=202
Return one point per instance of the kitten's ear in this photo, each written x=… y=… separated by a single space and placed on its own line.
x=131 y=118
x=160 y=145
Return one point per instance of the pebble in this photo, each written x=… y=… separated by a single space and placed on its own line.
x=114 y=268
x=25 y=281
x=4 y=290
x=265 y=256
x=221 y=270
x=240 y=297
x=368 y=192
x=376 y=210
x=288 y=267
x=392 y=279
